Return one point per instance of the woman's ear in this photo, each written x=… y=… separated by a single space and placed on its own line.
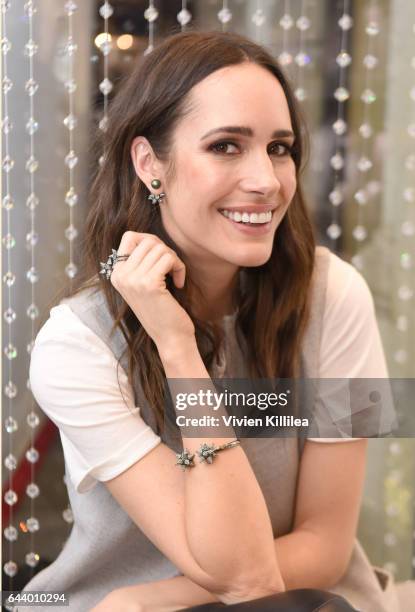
x=145 y=162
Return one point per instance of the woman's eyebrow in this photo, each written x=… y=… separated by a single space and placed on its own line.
x=247 y=131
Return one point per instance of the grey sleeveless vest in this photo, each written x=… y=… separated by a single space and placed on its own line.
x=106 y=550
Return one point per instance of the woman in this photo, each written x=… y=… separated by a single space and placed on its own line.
x=200 y=192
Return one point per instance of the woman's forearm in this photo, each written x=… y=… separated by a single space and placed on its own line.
x=227 y=522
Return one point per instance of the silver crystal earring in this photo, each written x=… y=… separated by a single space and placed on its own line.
x=156 y=198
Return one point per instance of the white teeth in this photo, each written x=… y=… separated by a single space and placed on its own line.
x=247 y=217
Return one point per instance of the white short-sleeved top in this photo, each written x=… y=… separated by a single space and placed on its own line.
x=73 y=377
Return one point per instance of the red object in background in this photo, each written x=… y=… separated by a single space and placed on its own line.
x=22 y=475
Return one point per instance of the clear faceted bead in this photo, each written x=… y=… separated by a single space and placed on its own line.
x=343 y=59
x=68 y=515
x=32 y=164
x=31 y=87
x=10 y=497
x=105 y=86
x=9 y=278
x=71 y=47
x=106 y=10
x=368 y=96
x=405 y=293
x=334 y=231
x=302 y=59
x=183 y=17
x=32 y=419
x=372 y=28
x=8 y=202
x=70 y=85
x=10 y=462
x=6 y=125
x=359 y=233
x=151 y=14
x=106 y=46
x=32 y=126
x=339 y=127
x=407 y=228
x=337 y=161
x=32 y=238
x=32 y=490
x=32 y=275
x=32 y=201
x=32 y=524
x=70 y=122
x=224 y=15
x=71 y=197
x=71 y=159
x=10 y=568
x=336 y=197
x=409 y=194
x=71 y=270
x=30 y=48
x=341 y=94
x=10 y=533
x=345 y=22
x=9 y=241
x=10 y=351
x=370 y=61
x=258 y=18
x=285 y=58
x=10 y=425
x=400 y=356
x=9 y=315
x=406 y=261
x=71 y=232
x=70 y=7
x=7 y=84
x=5 y=45
x=364 y=164
x=402 y=323
x=361 y=197
x=103 y=124
x=101 y=160
x=29 y=8
x=32 y=559
x=365 y=130
x=286 y=22
x=32 y=455
x=303 y=23
x=301 y=94
x=32 y=312
x=8 y=163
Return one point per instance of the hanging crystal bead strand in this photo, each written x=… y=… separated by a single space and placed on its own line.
x=224 y=15
x=286 y=23
x=10 y=567
x=302 y=59
x=32 y=312
x=404 y=311
x=341 y=95
x=70 y=122
x=151 y=15
x=365 y=188
x=105 y=86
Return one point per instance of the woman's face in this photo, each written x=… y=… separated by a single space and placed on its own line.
x=225 y=183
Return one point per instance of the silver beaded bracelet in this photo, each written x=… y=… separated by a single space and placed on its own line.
x=206 y=453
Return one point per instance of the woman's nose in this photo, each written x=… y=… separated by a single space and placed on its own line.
x=261 y=176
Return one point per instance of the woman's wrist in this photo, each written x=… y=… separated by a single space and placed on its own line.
x=175 y=349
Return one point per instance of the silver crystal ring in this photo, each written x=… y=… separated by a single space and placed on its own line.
x=108 y=267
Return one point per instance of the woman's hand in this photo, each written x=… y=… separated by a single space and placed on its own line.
x=141 y=281
x=136 y=598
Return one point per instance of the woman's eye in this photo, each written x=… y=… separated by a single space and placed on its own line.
x=278 y=149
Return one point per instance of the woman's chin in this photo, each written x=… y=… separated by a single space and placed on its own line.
x=253 y=259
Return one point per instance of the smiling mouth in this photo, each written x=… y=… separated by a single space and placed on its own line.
x=250 y=219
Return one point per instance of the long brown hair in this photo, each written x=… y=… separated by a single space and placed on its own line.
x=274 y=305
